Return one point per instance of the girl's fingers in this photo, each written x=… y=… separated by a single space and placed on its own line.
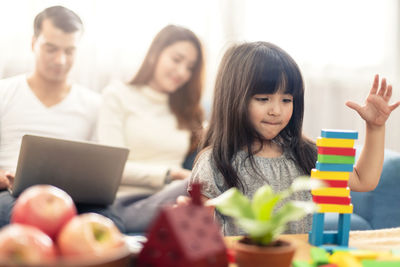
x=375 y=85
x=354 y=106
x=394 y=106
x=388 y=94
x=183 y=200
x=382 y=90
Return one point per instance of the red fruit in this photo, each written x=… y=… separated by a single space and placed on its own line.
x=45 y=207
x=88 y=235
x=24 y=244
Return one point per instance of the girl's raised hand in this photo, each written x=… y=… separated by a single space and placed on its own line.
x=376 y=110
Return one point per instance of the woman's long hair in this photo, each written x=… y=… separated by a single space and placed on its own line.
x=185 y=101
x=246 y=70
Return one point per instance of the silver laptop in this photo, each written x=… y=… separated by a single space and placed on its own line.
x=90 y=173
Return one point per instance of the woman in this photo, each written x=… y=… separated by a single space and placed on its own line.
x=157 y=115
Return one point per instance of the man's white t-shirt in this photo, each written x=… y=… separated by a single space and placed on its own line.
x=21 y=112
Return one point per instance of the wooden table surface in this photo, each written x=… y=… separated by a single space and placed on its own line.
x=377 y=240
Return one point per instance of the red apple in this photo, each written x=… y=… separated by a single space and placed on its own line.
x=24 y=244
x=88 y=235
x=45 y=207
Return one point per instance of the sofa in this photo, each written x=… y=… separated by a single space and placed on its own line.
x=379 y=208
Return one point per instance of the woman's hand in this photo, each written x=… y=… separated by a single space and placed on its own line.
x=179 y=174
x=376 y=110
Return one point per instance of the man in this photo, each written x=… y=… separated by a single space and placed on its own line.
x=45 y=102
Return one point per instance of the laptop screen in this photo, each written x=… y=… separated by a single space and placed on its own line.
x=89 y=172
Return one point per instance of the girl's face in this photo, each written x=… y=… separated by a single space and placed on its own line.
x=174 y=67
x=270 y=113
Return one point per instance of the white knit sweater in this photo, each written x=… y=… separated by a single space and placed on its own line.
x=140 y=119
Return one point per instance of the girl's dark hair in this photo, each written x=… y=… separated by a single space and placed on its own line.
x=184 y=102
x=246 y=70
x=62 y=17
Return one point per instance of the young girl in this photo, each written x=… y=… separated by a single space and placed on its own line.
x=255 y=132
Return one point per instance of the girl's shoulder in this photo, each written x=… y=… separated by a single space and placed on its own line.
x=204 y=155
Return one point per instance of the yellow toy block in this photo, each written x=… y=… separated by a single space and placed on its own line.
x=335 y=208
x=331 y=191
x=334 y=142
x=325 y=175
x=344 y=259
x=365 y=254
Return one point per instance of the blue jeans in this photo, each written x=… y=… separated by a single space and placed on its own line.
x=137 y=212
x=7 y=202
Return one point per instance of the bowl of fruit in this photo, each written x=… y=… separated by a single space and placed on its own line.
x=46 y=231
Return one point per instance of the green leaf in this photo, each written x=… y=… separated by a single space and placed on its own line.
x=233 y=203
x=261 y=219
x=304 y=183
x=292 y=211
x=307 y=206
x=262 y=232
x=264 y=201
x=265 y=211
x=255 y=228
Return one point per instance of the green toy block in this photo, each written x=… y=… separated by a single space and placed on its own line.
x=378 y=263
x=319 y=256
x=336 y=159
x=302 y=264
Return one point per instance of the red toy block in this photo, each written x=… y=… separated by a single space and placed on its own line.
x=342 y=151
x=336 y=183
x=332 y=200
x=230 y=253
x=184 y=236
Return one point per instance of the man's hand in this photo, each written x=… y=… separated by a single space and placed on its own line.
x=6 y=179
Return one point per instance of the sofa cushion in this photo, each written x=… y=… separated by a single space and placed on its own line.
x=381 y=207
x=357 y=222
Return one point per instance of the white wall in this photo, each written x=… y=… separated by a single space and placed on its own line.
x=338 y=44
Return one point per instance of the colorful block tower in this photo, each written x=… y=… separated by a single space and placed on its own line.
x=336 y=157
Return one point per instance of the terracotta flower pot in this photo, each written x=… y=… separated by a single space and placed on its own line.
x=279 y=254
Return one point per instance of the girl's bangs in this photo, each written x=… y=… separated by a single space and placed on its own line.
x=275 y=75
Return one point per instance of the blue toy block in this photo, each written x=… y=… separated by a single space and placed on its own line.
x=331 y=249
x=330 y=237
x=341 y=134
x=343 y=230
x=334 y=167
x=316 y=235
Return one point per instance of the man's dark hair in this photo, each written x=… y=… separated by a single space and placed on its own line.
x=63 y=18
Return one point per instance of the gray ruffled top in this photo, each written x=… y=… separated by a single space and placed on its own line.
x=278 y=172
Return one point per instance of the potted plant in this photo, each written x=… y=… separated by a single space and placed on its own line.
x=264 y=219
